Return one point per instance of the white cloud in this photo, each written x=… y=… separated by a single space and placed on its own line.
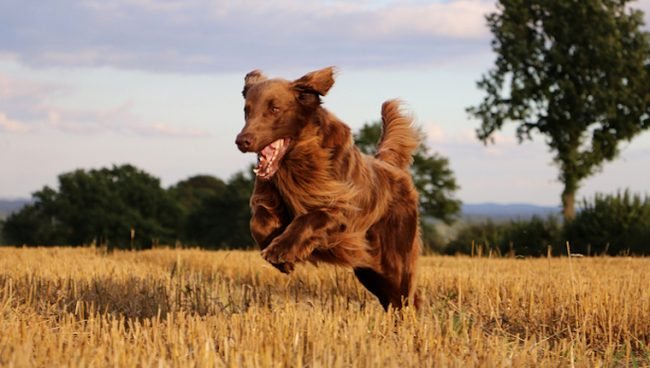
x=12 y=89
x=12 y=126
x=31 y=105
x=227 y=35
x=455 y=20
x=202 y=35
x=118 y=120
x=435 y=133
x=167 y=130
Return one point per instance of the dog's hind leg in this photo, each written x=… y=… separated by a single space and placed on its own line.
x=376 y=284
x=399 y=241
x=386 y=290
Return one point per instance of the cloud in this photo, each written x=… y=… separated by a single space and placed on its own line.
x=117 y=120
x=167 y=130
x=30 y=104
x=12 y=126
x=16 y=92
x=434 y=133
x=22 y=99
x=209 y=36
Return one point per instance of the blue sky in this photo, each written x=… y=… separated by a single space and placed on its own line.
x=87 y=84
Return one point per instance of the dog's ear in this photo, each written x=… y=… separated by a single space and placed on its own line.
x=251 y=78
x=319 y=81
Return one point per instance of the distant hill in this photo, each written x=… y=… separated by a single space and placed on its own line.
x=470 y=213
x=505 y=212
x=9 y=206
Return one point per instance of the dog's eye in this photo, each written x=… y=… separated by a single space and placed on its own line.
x=246 y=112
x=275 y=109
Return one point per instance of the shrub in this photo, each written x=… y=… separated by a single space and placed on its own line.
x=611 y=224
x=521 y=237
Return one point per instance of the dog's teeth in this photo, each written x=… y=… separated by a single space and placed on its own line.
x=256 y=170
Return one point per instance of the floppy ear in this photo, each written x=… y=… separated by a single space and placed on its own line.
x=251 y=78
x=319 y=81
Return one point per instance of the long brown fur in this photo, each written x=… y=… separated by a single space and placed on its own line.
x=328 y=202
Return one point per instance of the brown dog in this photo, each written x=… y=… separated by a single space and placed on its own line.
x=318 y=198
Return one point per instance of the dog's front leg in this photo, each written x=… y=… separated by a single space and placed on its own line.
x=304 y=234
x=269 y=218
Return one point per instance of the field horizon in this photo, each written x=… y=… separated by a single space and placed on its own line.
x=80 y=307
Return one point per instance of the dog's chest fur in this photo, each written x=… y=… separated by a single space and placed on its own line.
x=307 y=184
x=307 y=179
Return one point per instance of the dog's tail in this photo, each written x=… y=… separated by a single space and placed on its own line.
x=399 y=138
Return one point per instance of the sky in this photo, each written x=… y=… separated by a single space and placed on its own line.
x=157 y=83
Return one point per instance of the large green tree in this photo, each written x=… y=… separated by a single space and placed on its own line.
x=216 y=213
x=575 y=71
x=119 y=206
x=191 y=195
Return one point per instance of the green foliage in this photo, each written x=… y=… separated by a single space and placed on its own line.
x=487 y=234
x=574 y=71
x=191 y=195
x=534 y=236
x=97 y=206
x=522 y=237
x=221 y=219
x=432 y=176
x=611 y=224
x=432 y=239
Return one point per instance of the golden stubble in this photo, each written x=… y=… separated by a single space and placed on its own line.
x=82 y=307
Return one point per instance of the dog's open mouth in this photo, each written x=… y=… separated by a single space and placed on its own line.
x=268 y=159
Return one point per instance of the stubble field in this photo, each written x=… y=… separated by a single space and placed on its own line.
x=165 y=307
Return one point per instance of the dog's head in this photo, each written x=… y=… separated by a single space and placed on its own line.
x=275 y=111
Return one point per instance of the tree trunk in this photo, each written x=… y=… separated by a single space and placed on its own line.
x=570 y=176
x=568 y=203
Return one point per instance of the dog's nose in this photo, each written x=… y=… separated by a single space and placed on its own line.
x=244 y=141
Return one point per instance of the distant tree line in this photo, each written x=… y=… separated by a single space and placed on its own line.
x=614 y=224
x=126 y=207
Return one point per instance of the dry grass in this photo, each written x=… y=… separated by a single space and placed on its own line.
x=82 y=307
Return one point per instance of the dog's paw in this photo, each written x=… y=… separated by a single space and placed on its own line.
x=275 y=254
x=276 y=257
x=286 y=267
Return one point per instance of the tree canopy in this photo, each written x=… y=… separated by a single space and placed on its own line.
x=102 y=206
x=109 y=206
x=576 y=72
x=220 y=219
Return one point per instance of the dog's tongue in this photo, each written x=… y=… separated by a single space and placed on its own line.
x=268 y=160
x=268 y=151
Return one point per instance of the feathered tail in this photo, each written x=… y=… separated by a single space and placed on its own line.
x=399 y=138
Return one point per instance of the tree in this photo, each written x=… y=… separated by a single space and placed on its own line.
x=221 y=219
x=191 y=196
x=611 y=224
x=432 y=177
x=100 y=206
x=574 y=71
